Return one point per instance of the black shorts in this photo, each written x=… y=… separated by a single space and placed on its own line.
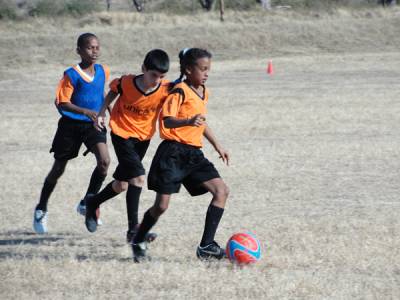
x=175 y=164
x=71 y=134
x=130 y=153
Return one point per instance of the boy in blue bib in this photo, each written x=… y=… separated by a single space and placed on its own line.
x=79 y=97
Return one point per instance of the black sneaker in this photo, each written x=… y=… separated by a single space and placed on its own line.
x=213 y=251
x=90 y=216
x=130 y=235
x=139 y=252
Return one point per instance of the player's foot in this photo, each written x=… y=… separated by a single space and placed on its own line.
x=213 y=251
x=40 y=221
x=130 y=235
x=91 y=216
x=81 y=209
x=139 y=252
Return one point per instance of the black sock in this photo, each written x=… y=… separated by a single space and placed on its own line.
x=95 y=182
x=214 y=215
x=132 y=205
x=47 y=189
x=147 y=223
x=107 y=193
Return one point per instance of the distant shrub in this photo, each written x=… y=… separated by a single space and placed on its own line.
x=241 y=4
x=171 y=6
x=186 y=6
x=17 y=9
x=81 y=7
x=318 y=4
x=45 y=8
x=64 y=7
x=8 y=9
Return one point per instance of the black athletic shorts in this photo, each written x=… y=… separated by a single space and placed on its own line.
x=71 y=134
x=130 y=153
x=175 y=164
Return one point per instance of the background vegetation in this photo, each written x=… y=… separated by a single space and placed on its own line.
x=20 y=9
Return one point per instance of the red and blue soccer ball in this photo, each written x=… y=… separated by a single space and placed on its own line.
x=243 y=248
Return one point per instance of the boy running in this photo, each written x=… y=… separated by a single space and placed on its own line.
x=133 y=123
x=80 y=95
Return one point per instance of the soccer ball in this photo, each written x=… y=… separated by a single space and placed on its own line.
x=243 y=248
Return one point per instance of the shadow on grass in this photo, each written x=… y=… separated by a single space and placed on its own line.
x=24 y=245
x=30 y=241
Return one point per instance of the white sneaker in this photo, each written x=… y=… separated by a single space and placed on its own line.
x=40 y=221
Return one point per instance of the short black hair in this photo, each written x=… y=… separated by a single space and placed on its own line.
x=158 y=60
x=189 y=57
x=84 y=38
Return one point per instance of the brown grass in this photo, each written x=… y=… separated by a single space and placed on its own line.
x=315 y=161
x=248 y=34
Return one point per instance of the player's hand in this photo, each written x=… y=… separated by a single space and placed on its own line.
x=90 y=113
x=224 y=155
x=100 y=122
x=198 y=120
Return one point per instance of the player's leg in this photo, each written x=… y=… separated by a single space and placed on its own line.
x=93 y=202
x=95 y=142
x=202 y=178
x=135 y=190
x=40 y=214
x=99 y=174
x=65 y=147
x=132 y=203
x=50 y=182
x=215 y=210
x=129 y=167
x=150 y=218
x=165 y=178
x=208 y=247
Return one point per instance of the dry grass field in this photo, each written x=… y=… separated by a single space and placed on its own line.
x=315 y=160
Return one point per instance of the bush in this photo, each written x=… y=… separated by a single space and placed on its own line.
x=8 y=9
x=171 y=6
x=317 y=4
x=13 y=9
x=64 y=7
x=187 y=6
x=81 y=7
x=45 y=8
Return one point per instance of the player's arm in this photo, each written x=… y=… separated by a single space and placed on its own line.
x=170 y=112
x=107 y=75
x=68 y=106
x=100 y=122
x=174 y=122
x=64 y=93
x=209 y=135
x=115 y=90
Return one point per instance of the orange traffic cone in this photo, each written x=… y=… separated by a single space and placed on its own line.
x=270 y=68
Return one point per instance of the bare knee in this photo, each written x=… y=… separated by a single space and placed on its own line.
x=137 y=181
x=103 y=164
x=119 y=186
x=222 y=192
x=221 y=195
